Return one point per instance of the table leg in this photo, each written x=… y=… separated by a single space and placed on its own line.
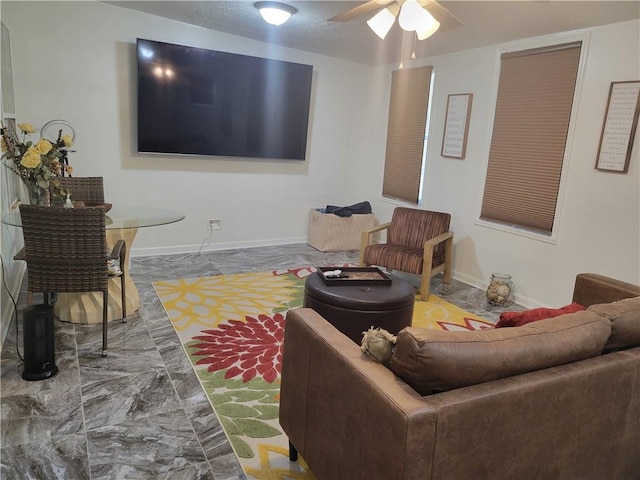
x=86 y=307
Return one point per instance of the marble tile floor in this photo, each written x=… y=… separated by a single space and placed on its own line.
x=140 y=413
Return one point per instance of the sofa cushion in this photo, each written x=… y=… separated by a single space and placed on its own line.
x=516 y=319
x=439 y=360
x=625 y=322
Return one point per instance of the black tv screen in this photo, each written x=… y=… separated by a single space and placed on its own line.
x=194 y=101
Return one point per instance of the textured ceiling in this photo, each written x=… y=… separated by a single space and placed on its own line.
x=485 y=23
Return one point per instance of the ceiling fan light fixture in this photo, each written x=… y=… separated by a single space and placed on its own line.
x=410 y=18
x=275 y=13
x=428 y=27
x=382 y=21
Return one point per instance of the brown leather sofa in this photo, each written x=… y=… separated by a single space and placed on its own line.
x=352 y=418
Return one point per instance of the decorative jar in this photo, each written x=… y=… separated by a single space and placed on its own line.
x=38 y=196
x=500 y=290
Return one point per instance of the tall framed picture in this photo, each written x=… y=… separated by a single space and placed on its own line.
x=619 y=127
x=456 y=125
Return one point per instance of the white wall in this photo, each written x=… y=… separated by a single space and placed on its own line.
x=599 y=216
x=81 y=71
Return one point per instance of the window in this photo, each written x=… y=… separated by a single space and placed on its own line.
x=10 y=189
x=409 y=104
x=533 y=109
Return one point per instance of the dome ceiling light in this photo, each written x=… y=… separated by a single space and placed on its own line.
x=275 y=13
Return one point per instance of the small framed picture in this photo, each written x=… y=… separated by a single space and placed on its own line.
x=456 y=125
x=619 y=127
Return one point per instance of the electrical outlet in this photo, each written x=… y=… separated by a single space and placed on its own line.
x=215 y=224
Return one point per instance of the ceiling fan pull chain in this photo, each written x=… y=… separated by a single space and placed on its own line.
x=413 y=54
x=401 y=66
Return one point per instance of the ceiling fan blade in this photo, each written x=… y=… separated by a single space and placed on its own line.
x=447 y=19
x=363 y=9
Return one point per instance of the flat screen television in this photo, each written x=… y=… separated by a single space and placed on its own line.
x=193 y=101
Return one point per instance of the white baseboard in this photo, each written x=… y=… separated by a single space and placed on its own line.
x=213 y=247
x=484 y=283
x=474 y=282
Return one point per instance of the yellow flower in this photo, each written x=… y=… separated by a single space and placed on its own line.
x=26 y=128
x=69 y=169
x=43 y=146
x=36 y=162
x=31 y=158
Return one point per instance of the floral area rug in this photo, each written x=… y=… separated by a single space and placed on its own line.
x=232 y=330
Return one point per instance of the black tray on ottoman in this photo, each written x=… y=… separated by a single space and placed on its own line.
x=352 y=276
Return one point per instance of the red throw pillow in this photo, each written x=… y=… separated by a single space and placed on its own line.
x=516 y=319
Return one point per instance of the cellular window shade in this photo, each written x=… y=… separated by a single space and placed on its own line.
x=535 y=97
x=406 y=133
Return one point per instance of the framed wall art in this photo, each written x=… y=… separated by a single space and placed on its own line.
x=456 y=125
x=619 y=127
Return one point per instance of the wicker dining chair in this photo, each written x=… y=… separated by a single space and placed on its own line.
x=82 y=189
x=66 y=251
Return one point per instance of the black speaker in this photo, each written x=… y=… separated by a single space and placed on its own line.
x=39 y=343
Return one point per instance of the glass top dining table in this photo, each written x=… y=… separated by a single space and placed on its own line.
x=122 y=222
x=120 y=217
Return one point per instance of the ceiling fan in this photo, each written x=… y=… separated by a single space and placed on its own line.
x=424 y=17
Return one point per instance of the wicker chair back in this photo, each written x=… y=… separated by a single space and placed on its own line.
x=66 y=251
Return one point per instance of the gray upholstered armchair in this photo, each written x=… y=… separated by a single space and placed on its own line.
x=418 y=242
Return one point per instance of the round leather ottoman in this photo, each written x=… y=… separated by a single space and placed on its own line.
x=355 y=309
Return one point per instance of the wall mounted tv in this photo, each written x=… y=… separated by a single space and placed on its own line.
x=193 y=101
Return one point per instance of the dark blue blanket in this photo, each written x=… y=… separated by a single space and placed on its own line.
x=357 y=208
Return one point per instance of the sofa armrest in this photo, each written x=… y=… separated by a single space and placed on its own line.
x=591 y=289
x=377 y=417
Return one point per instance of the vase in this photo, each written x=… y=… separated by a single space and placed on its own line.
x=38 y=196
x=499 y=290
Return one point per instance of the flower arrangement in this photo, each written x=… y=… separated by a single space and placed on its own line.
x=37 y=164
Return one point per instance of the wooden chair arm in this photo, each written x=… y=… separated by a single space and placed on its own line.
x=432 y=242
x=427 y=261
x=378 y=228
x=365 y=238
